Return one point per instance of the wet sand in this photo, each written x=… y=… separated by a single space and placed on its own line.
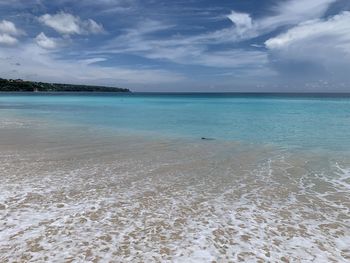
x=84 y=196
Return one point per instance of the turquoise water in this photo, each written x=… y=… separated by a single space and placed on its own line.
x=284 y=120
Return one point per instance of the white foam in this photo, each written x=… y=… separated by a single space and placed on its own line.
x=343 y=180
x=147 y=208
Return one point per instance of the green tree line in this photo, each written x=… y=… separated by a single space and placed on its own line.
x=30 y=86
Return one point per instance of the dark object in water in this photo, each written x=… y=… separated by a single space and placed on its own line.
x=207 y=139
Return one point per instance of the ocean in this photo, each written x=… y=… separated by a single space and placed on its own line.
x=152 y=177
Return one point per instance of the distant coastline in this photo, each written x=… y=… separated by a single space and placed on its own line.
x=19 y=85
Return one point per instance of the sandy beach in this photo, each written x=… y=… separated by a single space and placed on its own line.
x=93 y=197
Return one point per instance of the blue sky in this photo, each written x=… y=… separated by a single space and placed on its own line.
x=179 y=45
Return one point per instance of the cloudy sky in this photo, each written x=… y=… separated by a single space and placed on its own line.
x=179 y=45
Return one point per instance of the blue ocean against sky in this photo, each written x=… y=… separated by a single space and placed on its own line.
x=311 y=121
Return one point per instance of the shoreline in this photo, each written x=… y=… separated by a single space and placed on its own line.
x=100 y=197
x=88 y=192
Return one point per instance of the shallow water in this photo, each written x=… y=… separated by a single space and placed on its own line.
x=313 y=121
x=75 y=190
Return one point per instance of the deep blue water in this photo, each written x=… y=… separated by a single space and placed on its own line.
x=309 y=120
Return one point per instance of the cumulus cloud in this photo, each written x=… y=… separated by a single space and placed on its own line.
x=7 y=27
x=335 y=30
x=293 y=12
x=195 y=49
x=47 y=42
x=286 y=13
x=303 y=42
x=320 y=46
x=68 y=24
x=6 y=39
x=9 y=33
x=242 y=21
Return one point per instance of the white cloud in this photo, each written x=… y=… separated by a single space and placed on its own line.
x=67 y=24
x=90 y=61
x=236 y=58
x=335 y=30
x=7 y=40
x=320 y=46
x=187 y=51
x=7 y=27
x=196 y=49
x=294 y=12
x=242 y=21
x=92 y=26
x=9 y=33
x=308 y=40
x=287 y=13
x=40 y=64
x=46 y=42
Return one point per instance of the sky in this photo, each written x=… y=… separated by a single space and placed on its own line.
x=179 y=45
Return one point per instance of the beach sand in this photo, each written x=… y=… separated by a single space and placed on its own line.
x=82 y=196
